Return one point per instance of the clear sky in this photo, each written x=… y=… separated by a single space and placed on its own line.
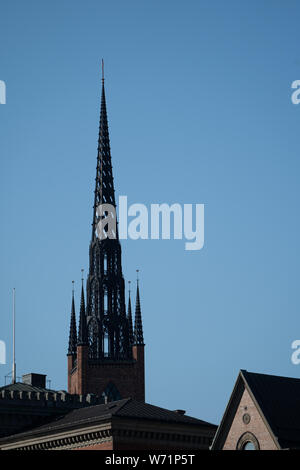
x=199 y=105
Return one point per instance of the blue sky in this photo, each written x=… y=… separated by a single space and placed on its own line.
x=200 y=111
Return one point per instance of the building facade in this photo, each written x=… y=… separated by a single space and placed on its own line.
x=26 y=404
x=122 y=425
x=262 y=414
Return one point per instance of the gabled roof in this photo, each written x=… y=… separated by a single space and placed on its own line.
x=278 y=401
x=126 y=408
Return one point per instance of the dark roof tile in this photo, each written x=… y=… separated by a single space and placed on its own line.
x=21 y=387
x=126 y=408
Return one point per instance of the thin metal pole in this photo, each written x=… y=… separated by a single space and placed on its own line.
x=14 y=343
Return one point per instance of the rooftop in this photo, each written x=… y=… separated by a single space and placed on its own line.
x=126 y=408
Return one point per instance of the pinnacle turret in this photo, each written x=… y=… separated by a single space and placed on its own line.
x=138 y=325
x=73 y=331
x=82 y=330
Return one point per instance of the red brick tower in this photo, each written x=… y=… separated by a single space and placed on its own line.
x=107 y=356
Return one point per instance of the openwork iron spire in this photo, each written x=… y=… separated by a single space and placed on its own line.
x=104 y=190
x=107 y=323
x=82 y=331
x=73 y=332
x=138 y=324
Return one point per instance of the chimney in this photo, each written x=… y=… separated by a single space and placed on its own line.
x=36 y=380
x=180 y=412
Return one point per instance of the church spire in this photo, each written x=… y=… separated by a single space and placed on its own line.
x=82 y=331
x=110 y=355
x=138 y=325
x=129 y=315
x=73 y=331
x=104 y=188
x=108 y=331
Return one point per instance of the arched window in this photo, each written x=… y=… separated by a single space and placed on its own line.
x=111 y=393
x=93 y=332
x=247 y=441
x=105 y=264
x=105 y=302
x=106 y=345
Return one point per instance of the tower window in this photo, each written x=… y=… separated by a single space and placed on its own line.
x=111 y=393
x=105 y=302
x=106 y=345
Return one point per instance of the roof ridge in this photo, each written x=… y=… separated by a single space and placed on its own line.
x=165 y=411
x=126 y=400
x=269 y=375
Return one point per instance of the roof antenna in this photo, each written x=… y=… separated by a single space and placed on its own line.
x=102 y=71
x=14 y=342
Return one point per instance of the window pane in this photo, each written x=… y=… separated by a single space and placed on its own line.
x=249 y=446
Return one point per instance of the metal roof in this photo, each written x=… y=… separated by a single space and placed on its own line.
x=126 y=408
x=22 y=387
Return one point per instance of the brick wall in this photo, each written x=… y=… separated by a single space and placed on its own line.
x=138 y=354
x=256 y=426
x=87 y=377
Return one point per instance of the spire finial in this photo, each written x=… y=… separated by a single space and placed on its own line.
x=102 y=71
x=73 y=282
x=129 y=282
x=82 y=279
x=137 y=275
